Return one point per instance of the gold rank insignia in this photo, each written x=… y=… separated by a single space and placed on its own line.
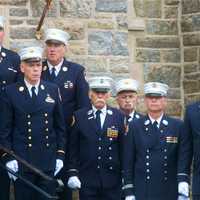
x=171 y=139
x=49 y=99
x=112 y=133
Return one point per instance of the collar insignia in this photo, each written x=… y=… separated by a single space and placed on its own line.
x=165 y=122
x=90 y=112
x=21 y=89
x=147 y=122
x=42 y=87
x=45 y=68
x=137 y=116
x=3 y=54
x=110 y=112
x=64 y=69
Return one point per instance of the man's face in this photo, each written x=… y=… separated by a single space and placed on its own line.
x=32 y=71
x=55 y=52
x=98 y=99
x=155 y=104
x=127 y=101
x=1 y=35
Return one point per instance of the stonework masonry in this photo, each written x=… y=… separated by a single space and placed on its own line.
x=149 y=40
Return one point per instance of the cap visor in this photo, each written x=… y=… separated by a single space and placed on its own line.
x=54 y=42
x=104 y=90
x=32 y=60
x=154 y=95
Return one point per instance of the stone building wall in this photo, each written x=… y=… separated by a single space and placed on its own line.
x=98 y=30
x=156 y=43
x=145 y=39
x=190 y=27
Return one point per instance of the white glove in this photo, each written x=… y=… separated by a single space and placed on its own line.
x=131 y=197
x=183 y=188
x=59 y=166
x=74 y=182
x=12 y=165
x=181 y=197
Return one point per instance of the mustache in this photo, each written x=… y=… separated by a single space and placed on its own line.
x=100 y=101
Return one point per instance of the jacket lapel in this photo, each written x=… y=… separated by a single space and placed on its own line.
x=24 y=97
x=92 y=120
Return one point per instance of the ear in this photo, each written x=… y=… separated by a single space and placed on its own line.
x=90 y=94
x=22 y=67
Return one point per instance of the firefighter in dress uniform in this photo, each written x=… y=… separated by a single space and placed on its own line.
x=70 y=79
x=9 y=73
x=127 y=98
x=95 y=143
x=32 y=126
x=156 y=152
x=192 y=127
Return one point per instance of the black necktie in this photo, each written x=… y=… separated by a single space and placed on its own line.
x=53 y=73
x=128 y=119
x=155 y=126
x=34 y=96
x=98 y=119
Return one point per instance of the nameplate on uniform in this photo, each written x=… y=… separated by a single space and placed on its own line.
x=171 y=139
x=112 y=133
x=49 y=100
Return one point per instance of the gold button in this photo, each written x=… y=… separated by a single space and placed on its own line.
x=47 y=144
x=47 y=137
x=29 y=137
x=46 y=129
x=29 y=130
x=29 y=123
x=45 y=114
x=30 y=145
x=46 y=122
x=28 y=116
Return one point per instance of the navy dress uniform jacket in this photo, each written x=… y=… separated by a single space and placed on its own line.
x=73 y=87
x=9 y=67
x=192 y=127
x=95 y=156
x=9 y=73
x=154 y=162
x=9 y=70
x=33 y=130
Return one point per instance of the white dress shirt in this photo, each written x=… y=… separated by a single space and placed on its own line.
x=57 y=67
x=29 y=86
x=158 y=120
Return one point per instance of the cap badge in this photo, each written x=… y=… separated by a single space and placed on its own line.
x=154 y=85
